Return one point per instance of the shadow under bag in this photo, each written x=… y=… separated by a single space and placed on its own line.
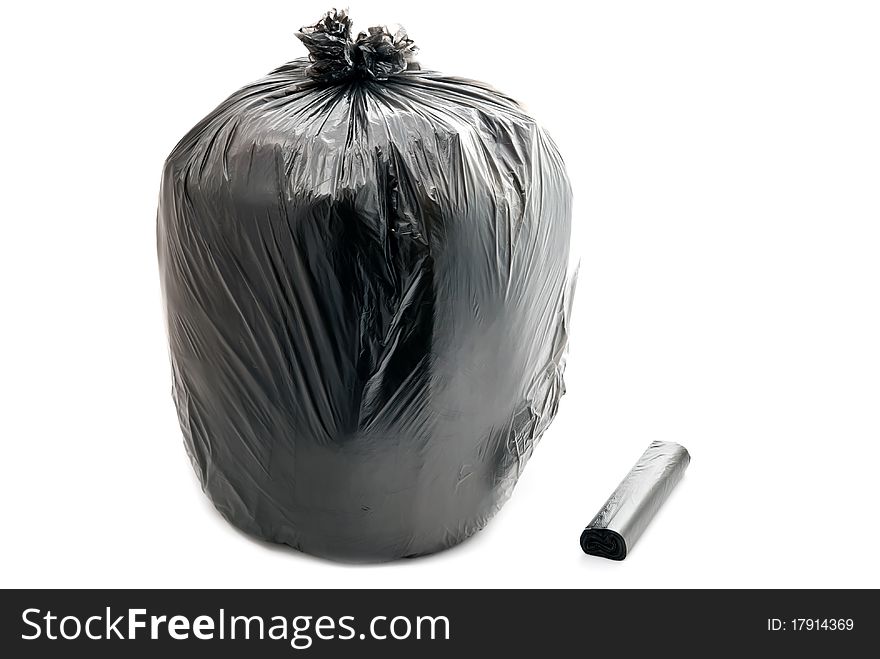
x=364 y=269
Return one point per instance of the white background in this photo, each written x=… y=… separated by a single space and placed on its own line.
x=726 y=165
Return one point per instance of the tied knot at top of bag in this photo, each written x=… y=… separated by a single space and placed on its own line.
x=374 y=55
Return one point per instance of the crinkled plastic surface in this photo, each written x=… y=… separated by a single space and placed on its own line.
x=364 y=269
x=628 y=511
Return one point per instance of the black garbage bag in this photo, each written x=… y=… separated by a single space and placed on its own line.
x=364 y=268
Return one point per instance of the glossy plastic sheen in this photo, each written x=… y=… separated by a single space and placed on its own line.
x=364 y=269
x=628 y=511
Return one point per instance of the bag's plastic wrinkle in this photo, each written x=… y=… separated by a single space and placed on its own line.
x=364 y=270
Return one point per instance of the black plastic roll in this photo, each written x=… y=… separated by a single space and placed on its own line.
x=632 y=506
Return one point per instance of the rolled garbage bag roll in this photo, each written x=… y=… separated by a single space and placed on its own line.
x=629 y=510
